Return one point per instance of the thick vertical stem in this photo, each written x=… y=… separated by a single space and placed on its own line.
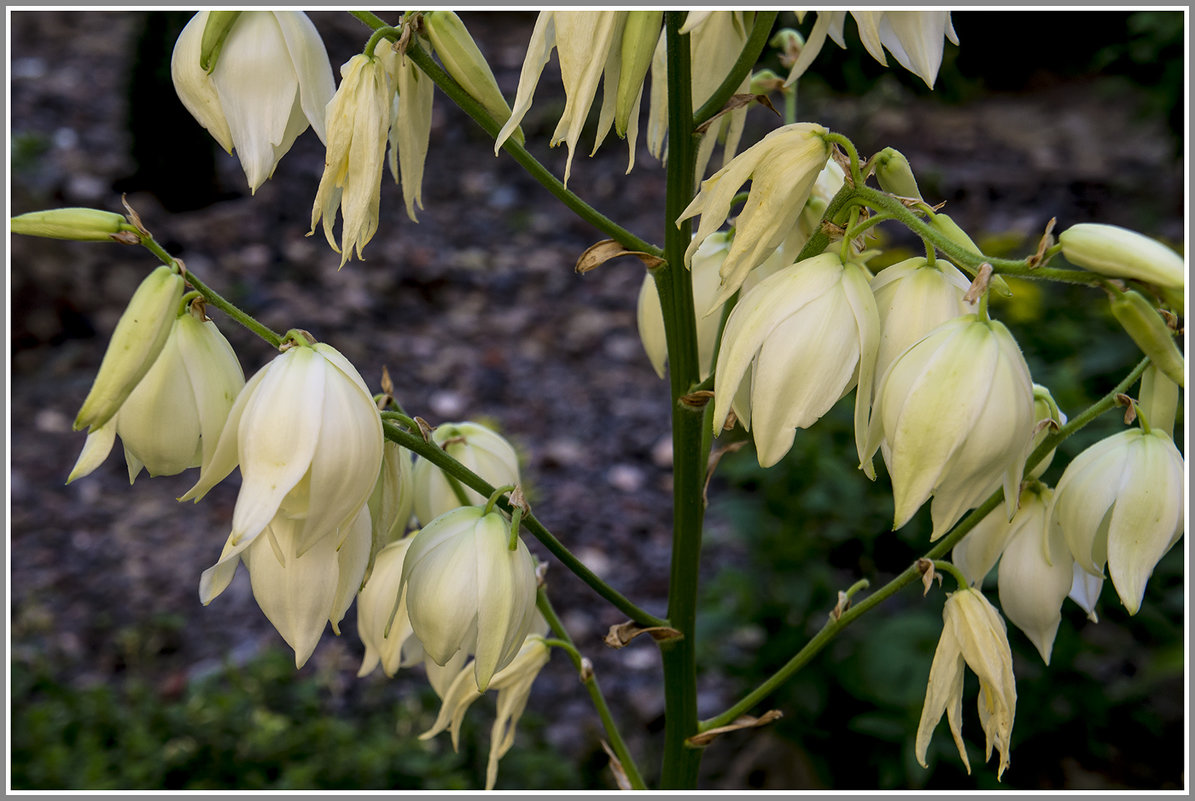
x=679 y=770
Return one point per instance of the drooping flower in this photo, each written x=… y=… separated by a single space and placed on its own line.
x=914 y=38
x=1120 y=503
x=272 y=79
x=393 y=498
x=467 y=590
x=410 y=130
x=308 y=439
x=1120 y=253
x=589 y=47
x=300 y=591
x=138 y=338
x=482 y=450
x=809 y=334
x=173 y=417
x=783 y=168
x=358 y=126
x=974 y=636
x=954 y=418
x=513 y=684
x=384 y=627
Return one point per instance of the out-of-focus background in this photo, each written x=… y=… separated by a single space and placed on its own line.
x=121 y=679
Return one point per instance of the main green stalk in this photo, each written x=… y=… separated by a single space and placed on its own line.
x=680 y=764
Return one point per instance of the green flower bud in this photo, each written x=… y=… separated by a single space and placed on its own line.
x=136 y=342
x=1120 y=253
x=895 y=175
x=82 y=225
x=639 y=38
x=464 y=62
x=215 y=31
x=1146 y=327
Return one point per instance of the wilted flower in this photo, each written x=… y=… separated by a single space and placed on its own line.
x=271 y=80
x=914 y=297
x=358 y=124
x=914 y=38
x=783 y=168
x=138 y=338
x=1035 y=571
x=478 y=448
x=299 y=590
x=1120 y=253
x=513 y=684
x=809 y=333
x=588 y=45
x=953 y=416
x=1120 y=502
x=308 y=439
x=650 y=318
x=410 y=130
x=377 y=614
x=974 y=636
x=173 y=417
x=468 y=590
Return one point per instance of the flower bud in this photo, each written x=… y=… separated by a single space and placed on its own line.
x=1035 y=574
x=136 y=342
x=1145 y=326
x=83 y=225
x=377 y=615
x=639 y=38
x=1120 y=253
x=809 y=334
x=483 y=451
x=1121 y=502
x=308 y=439
x=894 y=173
x=1158 y=400
x=173 y=417
x=464 y=62
x=467 y=590
x=954 y=418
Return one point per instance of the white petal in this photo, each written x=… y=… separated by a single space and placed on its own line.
x=194 y=86
x=95 y=450
x=539 y=49
x=311 y=65
x=352 y=558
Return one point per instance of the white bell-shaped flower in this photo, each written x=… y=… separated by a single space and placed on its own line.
x=468 y=590
x=173 y=417
x=308 y=439
x=1120 y=503
x=809 y=334
x=272 y=79
x=953 y=416
x=482 y=450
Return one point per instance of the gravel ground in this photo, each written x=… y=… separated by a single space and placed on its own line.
x=475 y=311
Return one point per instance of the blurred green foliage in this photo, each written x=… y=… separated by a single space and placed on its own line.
x=1106 y=713
x=261 y=726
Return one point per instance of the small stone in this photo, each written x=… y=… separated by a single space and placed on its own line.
x=625 y=477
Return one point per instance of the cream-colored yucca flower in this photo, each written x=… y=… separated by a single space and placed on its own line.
x=954 y=418
x=377 y=615
x=468 y=591
x=715 y=40
x=172 y=419
x=974 y=636
x=393 y=497
x=482 y=450
x=1036 y=572
x=650 y=318
x=308 y=439
x=300 y=591
x=783 y=168
x=914 y=38
x=272 y=80
x=914 y=297
x=1120 y=503
x=809 y=334
x=358 y=125
x=513 y=684
x=588 y=45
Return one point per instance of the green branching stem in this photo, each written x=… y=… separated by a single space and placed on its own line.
x=912 y=573
x=415 y=443
x=589 y=679
x=528 y=162
x=211 y=296
x=761 y=30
